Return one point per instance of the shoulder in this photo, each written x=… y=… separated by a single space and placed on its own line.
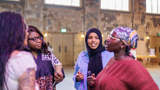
x=83 y=53
x=51 y=57
x=132 y=64
x=83 y=57
x=22 y=56
x=107 y=52
x=20 y=63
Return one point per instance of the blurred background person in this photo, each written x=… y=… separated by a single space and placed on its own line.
x=17 y=70
x=49 y=47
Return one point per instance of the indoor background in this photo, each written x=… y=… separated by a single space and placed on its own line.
x=65 y=22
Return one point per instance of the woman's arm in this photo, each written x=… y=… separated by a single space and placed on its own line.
x=76 y=70
x=27 y=80
x=58 y=69
x=55 y=60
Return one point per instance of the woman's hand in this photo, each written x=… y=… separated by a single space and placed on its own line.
x=58 y=77
x=79 y=76
x=91 y=80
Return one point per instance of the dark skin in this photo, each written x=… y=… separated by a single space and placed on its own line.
x=79 y=76
x=91 y=80
x=113 y=45
x=116 y=45
x=36 y=44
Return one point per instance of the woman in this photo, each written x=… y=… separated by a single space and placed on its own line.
x=49 y=69
x=92 y=61
x=123 y=72
x=17 y=70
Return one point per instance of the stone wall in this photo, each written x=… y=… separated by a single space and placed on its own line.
x=77 y=20
x=11 y=6
x=56 y=18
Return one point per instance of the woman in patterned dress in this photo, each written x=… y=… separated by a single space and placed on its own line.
x=49 y=69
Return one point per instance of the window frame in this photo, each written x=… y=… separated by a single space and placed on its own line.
x=11 y=2
x=151 y=12
x=63 y=6
x=114 y=10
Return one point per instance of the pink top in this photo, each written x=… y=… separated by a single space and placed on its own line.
x=16 y=66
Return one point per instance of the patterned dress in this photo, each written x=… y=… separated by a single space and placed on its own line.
x=45 y=71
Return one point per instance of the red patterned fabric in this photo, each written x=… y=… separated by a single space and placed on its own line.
x=125 y=75
x=45 y=83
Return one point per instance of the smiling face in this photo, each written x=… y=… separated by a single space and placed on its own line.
x=35 y=41
x=93 y=40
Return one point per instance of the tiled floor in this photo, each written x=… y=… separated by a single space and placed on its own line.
x=155 y=73
x=67 y=83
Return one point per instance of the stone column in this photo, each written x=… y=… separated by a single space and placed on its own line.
x=33 y=13
x=91 y=13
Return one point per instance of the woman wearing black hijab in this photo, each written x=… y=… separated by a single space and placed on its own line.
x=91 y=62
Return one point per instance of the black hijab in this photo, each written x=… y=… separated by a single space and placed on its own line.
x=95 y=59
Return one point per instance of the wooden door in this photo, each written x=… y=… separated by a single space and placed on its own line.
x=63 y=47
x=67 y=54
x=56 y=43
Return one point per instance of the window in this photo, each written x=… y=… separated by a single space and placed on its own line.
x=9 y=0
x=75 y=3
x=153 y=6
x=121 y=5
